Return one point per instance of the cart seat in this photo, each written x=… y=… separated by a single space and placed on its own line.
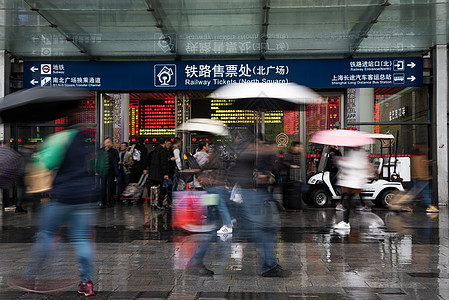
x=378 y=163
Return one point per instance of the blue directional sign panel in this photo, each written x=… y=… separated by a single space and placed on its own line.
x=194 y=75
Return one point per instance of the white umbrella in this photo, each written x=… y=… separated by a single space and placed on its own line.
x=204 y=125
x=266 y=96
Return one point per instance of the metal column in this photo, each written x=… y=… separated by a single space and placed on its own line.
x=439 y=124
x=302 y=139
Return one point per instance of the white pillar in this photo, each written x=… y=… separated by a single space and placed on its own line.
x=440 y=139
x=125 y=117
x=366 y=110
x=2 y=93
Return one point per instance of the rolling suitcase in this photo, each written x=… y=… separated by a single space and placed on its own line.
x=134 y=191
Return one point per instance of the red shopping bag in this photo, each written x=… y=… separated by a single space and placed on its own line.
x=189 y=211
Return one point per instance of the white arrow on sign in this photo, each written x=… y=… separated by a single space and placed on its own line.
x=411 y=65
x=34 y=69
x=34 y=81
x=411 y=78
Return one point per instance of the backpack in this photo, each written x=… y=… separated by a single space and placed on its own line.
x=136 y=154
x=129 y=161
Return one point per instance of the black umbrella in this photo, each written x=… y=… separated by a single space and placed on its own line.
x=11 y=167
x=40 y=104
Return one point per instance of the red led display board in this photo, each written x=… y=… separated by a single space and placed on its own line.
x=322 y=116
x=152 y=117
x=291 y=122
x=86 y=114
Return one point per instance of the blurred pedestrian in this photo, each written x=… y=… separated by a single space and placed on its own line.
x=292 y=181
x=107 y=196
x=421 y=177
x=354 y=173
x=71 y=196
x=259 y=213
x=157 y=169
x=202 y=157
x=213 y=179
x=292 y=161
x=124 y=170
x=26 y=151
x=178 y=162
x=139 y=159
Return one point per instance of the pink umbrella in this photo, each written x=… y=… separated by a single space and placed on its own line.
x=344 y=138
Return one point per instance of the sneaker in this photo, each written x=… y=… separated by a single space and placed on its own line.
x=199 y=270
x=407 y=209
x=340 y=207
x=225 y=237
x=21 y=210
x=86 y=288
x=225 y=229
x=277 y=271
x=363 y=208
x=23 y=284
x=432 y=209
x=342 y=232
x=342 y=225
x=43 y=287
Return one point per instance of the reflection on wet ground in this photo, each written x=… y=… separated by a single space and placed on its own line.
x=140 y=256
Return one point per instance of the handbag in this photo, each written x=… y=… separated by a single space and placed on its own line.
x=41 y=171
x=38 y=178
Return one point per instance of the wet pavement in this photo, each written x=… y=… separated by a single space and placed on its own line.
x=139 y=256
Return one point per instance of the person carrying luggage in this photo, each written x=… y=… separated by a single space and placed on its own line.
x=292 y=184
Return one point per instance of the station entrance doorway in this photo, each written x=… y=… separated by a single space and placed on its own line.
x=149 y=116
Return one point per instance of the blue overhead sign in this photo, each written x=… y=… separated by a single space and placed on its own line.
x=194 y=75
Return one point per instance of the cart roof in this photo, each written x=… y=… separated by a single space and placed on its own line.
x=380 y=136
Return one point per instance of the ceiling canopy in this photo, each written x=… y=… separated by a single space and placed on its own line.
x=220 y=29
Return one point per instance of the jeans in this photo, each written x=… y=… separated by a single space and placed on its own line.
x=78 y=217
x=175 y=180
x=422 y=188
x=204 y=241
x=253 y=217
x=222 y=207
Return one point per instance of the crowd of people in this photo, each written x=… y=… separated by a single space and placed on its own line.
x=241 y=172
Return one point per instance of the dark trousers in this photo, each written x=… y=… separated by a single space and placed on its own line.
x=346 y=201
x=122 y=182
x=107 y=189
x=136 y=172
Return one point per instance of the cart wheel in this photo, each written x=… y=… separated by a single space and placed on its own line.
x=319 y=198
x=385 y=198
